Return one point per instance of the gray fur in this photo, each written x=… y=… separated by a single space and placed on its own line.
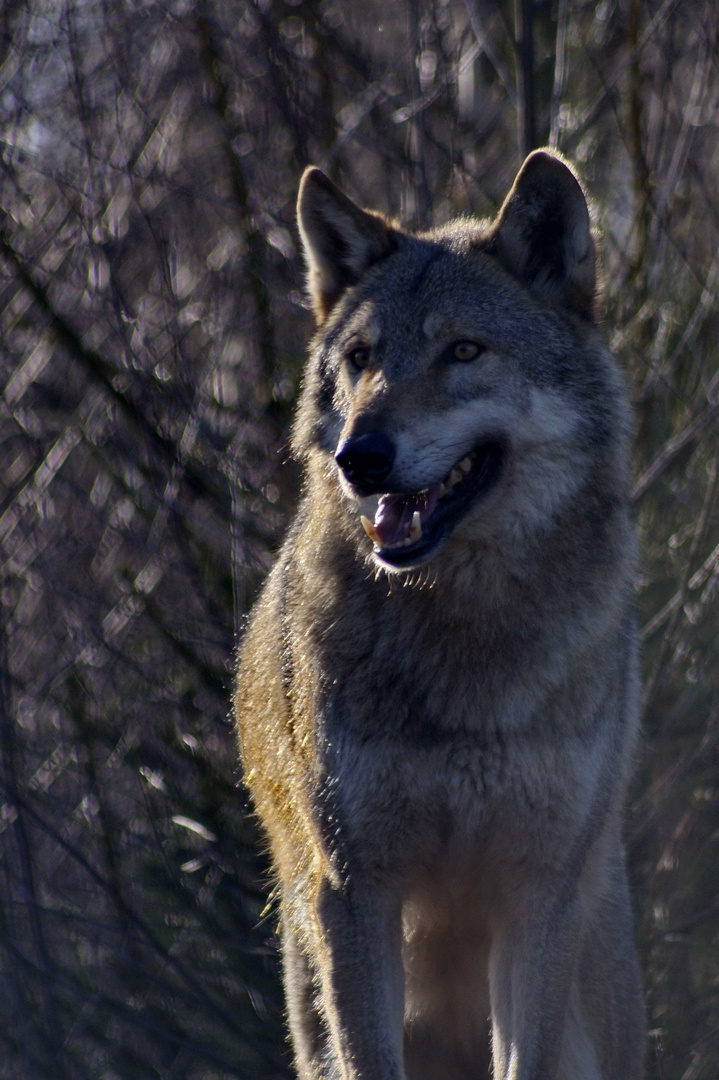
x=439 y=751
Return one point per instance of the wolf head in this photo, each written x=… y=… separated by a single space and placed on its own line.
x=458 y=384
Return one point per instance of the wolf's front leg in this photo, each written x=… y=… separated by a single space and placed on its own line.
x=362 y=980
x=309 y=1036
x=531 y=969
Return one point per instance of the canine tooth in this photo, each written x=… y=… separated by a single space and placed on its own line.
x=415 y=531
x=369 y=528
x=465 y=465
x=454 y=477
x=443 y=489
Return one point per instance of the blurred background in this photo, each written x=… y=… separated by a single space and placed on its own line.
x=152 y=333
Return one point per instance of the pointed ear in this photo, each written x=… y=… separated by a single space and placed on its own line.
x=543 y=234
x=340 y=240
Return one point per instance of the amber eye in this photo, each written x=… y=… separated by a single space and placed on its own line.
x=359 y=357
x=466 y=350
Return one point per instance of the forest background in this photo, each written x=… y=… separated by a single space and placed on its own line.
x=152 y=330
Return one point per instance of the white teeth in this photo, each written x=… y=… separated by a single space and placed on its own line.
x=369 y=528
x=415 y=530
x=458 y=472
x=401 y=543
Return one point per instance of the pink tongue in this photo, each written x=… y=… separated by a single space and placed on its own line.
x=393 y=519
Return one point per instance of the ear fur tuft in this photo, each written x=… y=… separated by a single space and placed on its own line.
x=543 y=233
x=340 y=240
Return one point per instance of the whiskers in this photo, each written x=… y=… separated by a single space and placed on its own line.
x=422 y=577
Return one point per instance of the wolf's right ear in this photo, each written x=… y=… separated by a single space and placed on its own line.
x=543 y=233
x=340 y=240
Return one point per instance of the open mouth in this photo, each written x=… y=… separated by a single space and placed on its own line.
x=407 y=528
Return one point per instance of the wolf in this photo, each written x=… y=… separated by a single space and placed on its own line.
x=437 y=691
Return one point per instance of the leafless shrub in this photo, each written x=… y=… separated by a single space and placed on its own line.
x=152 y=326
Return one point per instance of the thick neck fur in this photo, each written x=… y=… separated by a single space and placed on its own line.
x=461 y=609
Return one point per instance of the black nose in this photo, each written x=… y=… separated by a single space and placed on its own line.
x=366 y=460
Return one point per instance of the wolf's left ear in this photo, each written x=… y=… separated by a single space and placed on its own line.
x=340 y=240
x=543 y=233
